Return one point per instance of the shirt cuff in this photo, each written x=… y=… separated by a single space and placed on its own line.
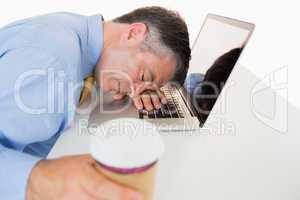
x=14 y=173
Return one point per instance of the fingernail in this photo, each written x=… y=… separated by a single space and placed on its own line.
x=140 y=107
x=135 y=196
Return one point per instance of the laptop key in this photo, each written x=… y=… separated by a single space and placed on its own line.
x=173 y=111
x=151 y=114
x=158 y=113
x=141 y=114
x=175 y=115
x=165 y=111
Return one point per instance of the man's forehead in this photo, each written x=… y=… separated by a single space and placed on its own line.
x=163 y=70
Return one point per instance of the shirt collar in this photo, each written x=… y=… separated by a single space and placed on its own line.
x=94 y=43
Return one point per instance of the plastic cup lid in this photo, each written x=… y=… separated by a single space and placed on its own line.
x=126 y=143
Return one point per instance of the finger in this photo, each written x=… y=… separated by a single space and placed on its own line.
x=155 y=100
x=138 y=102
x=102 y=188
x=142 y=88
x=146 y=99
x=154 y=87
x=162 y=97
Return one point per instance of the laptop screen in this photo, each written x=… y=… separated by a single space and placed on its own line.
x=214 y=55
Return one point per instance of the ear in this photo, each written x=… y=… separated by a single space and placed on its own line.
x=137 y=32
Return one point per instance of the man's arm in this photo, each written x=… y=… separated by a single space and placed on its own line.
x=23 y=91
x=28 y=114
x=14 y=172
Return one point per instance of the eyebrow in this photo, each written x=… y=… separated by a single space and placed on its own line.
x=152 y=75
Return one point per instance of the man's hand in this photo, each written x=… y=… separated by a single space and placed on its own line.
x=74 y=178
x=148 y=100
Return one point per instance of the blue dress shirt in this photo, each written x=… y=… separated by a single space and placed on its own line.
x=43 y=61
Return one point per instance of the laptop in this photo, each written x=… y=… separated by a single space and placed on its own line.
x=215 y=53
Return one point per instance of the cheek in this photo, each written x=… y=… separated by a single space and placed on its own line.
x=134 y=75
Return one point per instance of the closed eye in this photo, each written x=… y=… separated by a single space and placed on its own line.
x=142 y=77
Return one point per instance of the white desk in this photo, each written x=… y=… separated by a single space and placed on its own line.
x=253 y=161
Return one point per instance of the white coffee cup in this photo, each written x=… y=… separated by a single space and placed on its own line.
x=127 y=150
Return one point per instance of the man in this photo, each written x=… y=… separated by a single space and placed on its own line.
x=131 y=55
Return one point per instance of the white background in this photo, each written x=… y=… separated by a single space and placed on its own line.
x=274 y=44
x=216 y=38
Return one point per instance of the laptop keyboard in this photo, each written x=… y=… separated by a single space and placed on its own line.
x=170 y=110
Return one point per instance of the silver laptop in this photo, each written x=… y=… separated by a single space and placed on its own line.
x=215 y=52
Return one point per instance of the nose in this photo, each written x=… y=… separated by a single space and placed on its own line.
x=137 y=87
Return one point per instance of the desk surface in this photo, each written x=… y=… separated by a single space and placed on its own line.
x=239 y=154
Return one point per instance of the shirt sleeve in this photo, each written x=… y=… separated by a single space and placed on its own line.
x=27 y=114
x=14 y=173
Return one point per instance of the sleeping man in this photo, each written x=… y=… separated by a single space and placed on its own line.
x=43 y=62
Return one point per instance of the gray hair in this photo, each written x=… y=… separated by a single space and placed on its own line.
x=167 y=35
x=154 y=43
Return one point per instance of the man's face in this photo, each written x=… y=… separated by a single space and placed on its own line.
x=130 y=70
